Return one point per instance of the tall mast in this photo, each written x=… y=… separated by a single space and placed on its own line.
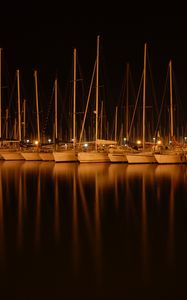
x=116 y=123
x=74 y=96
x=0 y=96
x=101 y=127
x=37 y=109
x=144 y=94
x=24 y=119
x=97 y=92
x=6 y=123
x=56 y=107
x=19 y=111
x=171 y=100
x=127 y=105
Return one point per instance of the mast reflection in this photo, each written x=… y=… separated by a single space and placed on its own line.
x=20 y=215
x=38 y=214
x=145 y=245
x=56 y=210
x=171 y=177
x=75 y=224
x=2 y=245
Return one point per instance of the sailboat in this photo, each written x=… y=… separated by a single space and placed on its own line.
x=14 y=153
x=144 y=156
x=117 y=153
x=70 y=155
x=96 y=155
x=174 y=154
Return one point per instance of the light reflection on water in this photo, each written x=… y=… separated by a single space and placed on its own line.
x=104 y=228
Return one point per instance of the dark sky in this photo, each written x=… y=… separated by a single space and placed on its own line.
x=42 y=35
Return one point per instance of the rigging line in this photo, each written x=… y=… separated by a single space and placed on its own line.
x=136 y=103
x=12 y=93
x=153 y=87
x=48 y=113
x=178 y=98
x=81 y=79
x=162 y=103
x=86 y=109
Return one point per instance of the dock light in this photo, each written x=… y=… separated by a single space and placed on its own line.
x=138 y=142
x=85 y=145
x=28 y=141
x=49 y=140
x=159 y=142
x=154 y=139
x=185 y=138
x=36 y=143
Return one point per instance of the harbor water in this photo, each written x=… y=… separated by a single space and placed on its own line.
x=92 y=231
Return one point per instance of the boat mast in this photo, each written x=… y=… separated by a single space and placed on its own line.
x=74 y=96
x=127 y=105
x=97 y=94
x=6 y=123
x=144 y=89
x=56 y=124
x=101 y=127
x=171 y=100
x=37 y=109
x=19 y=111
x=0 y=97
x=116 y=123
x=24 y=119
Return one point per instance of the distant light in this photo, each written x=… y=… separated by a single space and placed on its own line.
x=185 y=138
x=36 y=142
x=28 y=141
x=124 y=139
x=138 y=142
x=49 y=140
x=85 y=145
x=159 y=142
x=154 y=139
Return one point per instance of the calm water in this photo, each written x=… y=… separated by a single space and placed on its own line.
x=101 y=231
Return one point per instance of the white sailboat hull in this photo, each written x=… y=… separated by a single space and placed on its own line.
x=65 y=156
x=141 y=158
x=31 y=155
x=46 y=156
x=93 y=156
x=11 y=155
x=175 y=158
x=117 y=157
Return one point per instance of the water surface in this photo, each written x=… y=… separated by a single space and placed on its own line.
x=92 y=231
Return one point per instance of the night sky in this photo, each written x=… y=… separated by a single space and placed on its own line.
x=42 y=36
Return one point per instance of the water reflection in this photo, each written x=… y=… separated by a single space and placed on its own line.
x=101 y=224
x=38 y=213
x=56 y=210
x=1 y=220
x=20 y=214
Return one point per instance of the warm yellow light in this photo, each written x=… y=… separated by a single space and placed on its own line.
x=138 y=142
x=159 y=142
x=36 y=142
